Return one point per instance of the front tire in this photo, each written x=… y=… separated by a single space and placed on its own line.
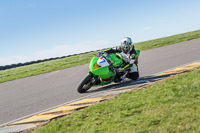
x=85 y=84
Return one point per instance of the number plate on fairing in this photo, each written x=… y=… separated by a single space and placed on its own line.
x=102 y=62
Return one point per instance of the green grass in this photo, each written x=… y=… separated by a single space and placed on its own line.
x=168 y=40
x=67 y=62
x=167 y=107
x=44 y=67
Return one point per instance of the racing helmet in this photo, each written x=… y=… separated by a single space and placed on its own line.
x=126 y=45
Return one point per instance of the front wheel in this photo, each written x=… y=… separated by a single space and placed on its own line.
x=85 y=84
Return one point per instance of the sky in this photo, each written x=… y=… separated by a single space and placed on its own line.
x=41 y=29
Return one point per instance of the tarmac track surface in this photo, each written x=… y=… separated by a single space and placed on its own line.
x=26 y=96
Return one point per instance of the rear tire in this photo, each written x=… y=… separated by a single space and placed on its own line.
x=85 y=84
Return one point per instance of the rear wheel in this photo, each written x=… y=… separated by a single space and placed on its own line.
x=85 y=84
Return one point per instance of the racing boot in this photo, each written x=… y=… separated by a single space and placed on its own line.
x=123 y=77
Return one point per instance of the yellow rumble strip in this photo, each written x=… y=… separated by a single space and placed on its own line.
x=183 y=68
x=60 y=111
x=37 y=118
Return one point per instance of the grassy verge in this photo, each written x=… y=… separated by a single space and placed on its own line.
x=44 y=67
x=168 y=40
x=49 y=66
x=168 y=106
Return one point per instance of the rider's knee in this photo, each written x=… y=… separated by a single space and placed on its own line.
x=133 y=75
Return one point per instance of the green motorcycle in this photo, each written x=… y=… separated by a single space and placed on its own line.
x=103 y=70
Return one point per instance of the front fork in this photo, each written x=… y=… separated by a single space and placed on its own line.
x=95 y=80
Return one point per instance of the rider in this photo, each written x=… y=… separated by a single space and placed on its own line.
x=129 y=56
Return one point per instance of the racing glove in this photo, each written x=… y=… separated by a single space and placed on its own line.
x=102 y=53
